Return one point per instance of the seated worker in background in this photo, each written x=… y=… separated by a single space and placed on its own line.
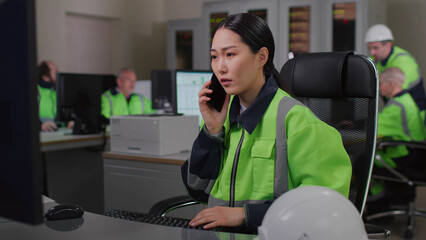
x=122 y=100
x=400 y=119
x=241 y=160
x=386 y=55
x=46 y=97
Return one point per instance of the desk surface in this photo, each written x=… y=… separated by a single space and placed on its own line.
x=175 y=159
x=93 y=226
x=63 y=139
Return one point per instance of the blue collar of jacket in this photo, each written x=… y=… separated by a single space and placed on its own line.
x=401 y=93
x=115 y=91
x=383 y=62
x=45 y=84
x=253 y=114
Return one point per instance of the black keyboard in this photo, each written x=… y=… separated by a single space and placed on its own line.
x=165 y=221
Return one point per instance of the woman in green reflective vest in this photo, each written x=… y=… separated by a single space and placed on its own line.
x=263 y=142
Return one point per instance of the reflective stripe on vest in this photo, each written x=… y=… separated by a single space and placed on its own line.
x=142 y=102
x=403 y=117
x=110 y=103
x=281 y=161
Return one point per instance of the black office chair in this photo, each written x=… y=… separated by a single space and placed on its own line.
x=411 y=172
x=341 y=89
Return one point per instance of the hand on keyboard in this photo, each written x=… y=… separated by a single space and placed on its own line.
x=165 y=221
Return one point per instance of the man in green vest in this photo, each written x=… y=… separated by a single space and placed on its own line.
x=122 y=100
x=386 y=55
x=400 y=120
x=47 y=71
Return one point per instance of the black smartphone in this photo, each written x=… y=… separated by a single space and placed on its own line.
x=218 y=95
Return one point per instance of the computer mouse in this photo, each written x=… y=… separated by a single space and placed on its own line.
x=64 y=211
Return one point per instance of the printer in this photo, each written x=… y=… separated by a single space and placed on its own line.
x=153 y=135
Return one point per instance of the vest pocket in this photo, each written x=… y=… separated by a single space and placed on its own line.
x=263 y=166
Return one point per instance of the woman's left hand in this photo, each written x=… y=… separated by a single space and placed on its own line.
x=219 y=216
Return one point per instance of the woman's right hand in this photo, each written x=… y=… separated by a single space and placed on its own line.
x=213 y=119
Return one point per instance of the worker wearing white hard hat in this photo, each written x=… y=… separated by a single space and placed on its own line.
x=312 y=212
x=379 y=39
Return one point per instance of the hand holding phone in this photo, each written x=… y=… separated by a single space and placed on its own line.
x=217 y=97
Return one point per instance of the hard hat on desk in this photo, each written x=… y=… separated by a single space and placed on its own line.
x=312 y=213
x=378 y=33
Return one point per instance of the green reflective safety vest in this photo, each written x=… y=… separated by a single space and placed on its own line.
x=46 y=103
x=116 y=104
x=290 y=147
x=401 y=120
x=403 y=60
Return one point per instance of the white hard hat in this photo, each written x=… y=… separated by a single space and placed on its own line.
x=314 y=213
x=378 y=33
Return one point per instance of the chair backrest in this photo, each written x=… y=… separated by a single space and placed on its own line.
x=341 y=89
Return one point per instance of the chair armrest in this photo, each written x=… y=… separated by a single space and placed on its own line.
x=162 y=207
x=399 y=175
x=395 y=173
x=410 y=144
x=376 y=232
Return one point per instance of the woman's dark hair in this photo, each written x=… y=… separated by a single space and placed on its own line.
x=254 y=32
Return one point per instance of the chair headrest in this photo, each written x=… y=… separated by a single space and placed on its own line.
x=330 y=75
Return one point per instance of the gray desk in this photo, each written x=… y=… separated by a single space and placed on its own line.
x=63 y=139
x=93 y=226
x=136 y=182
x=74 y=168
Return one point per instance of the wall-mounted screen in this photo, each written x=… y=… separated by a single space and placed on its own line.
x=344 y=19
x=215 y=19
x=184 y=49
x=262 y=13
x=299 y=30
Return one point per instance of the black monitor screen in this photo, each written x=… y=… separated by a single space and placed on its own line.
x=20 y=171
x=188 y=84
x=161 y=90
x=109 y=82
x=79 y=99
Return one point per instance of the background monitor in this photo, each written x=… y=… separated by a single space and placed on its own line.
x=188 y=84
x=161 y=90
x=20 y=171
x=109 y=81
x=79 y=99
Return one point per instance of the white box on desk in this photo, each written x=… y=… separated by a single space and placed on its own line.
x=153 y=135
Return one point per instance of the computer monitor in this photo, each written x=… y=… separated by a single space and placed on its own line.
x=79 y=99
x=21 y=170
x=162 y=90
x=188 y=84
x=109 y=81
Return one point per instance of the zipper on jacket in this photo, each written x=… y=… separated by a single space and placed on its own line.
x=234 y=172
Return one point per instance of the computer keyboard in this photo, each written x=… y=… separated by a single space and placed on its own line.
x=165 y=221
